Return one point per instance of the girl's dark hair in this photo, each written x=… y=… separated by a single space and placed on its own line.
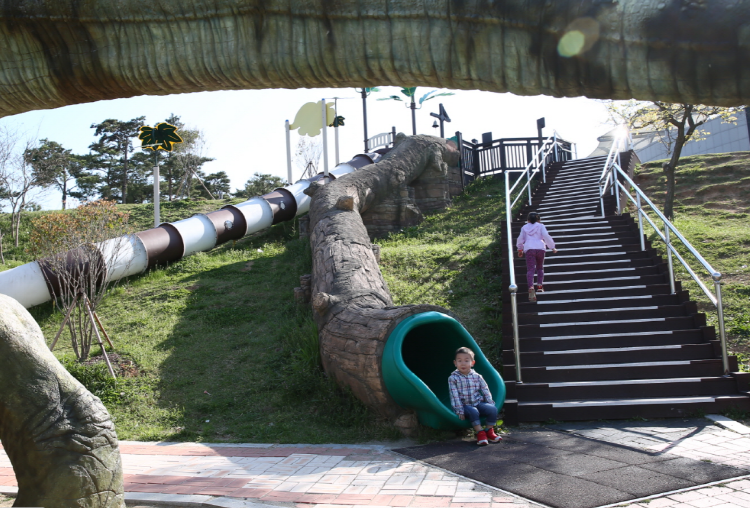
x=533 y=217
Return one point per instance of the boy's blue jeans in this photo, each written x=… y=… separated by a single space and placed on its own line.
x=474 y=413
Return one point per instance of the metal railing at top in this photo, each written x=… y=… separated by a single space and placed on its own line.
x=537 y=164
x=383 y=139
x=613 y=177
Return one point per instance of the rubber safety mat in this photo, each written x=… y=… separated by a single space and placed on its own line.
x=567 y=471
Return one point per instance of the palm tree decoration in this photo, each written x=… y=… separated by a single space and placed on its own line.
x=365 y=92
x=411 y=93
x=160 y=137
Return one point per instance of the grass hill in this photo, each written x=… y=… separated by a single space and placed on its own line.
x=712 y=210
x=213 y=347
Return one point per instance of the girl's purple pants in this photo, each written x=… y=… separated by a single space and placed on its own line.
x=534 y=263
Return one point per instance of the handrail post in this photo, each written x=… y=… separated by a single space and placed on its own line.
x=555 y=146
x=617 y=193
x=528 y=183
x=516 y=340
x=722 y=333
x=640 y=221
x=512 y=273
x=601 y=198
x=544 y=167
x=669 y=258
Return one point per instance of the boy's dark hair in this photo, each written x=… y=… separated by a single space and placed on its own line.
x=465 y=351
x=533 y=217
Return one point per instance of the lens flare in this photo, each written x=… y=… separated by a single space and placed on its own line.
x=571 y=43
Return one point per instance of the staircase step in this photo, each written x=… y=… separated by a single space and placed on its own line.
x=633 y=370
x=634 y=339
x=597 y=303
x=627 y=388
x=591 y=358
x=629 y=408
x=615 y=313
x=605 y=326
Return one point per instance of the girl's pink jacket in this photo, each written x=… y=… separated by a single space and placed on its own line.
x=534 y=236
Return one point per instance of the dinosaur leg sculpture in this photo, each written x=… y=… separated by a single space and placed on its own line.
x=59 y=436
x=353 y=308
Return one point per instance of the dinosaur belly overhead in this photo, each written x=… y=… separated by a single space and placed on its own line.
x=68 y=52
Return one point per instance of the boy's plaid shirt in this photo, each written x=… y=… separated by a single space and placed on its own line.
x=468 y=390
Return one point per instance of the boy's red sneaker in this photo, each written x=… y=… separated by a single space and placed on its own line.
x=482 y=438
x=492 y=437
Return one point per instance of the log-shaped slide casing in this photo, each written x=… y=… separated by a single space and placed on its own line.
x=131 y=255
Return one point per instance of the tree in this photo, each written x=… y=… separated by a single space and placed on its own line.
x=307 y=155
x=16 y=179
x=674 y=124
x=118 y=135
x=259 y=184
x=54 y=166
x=76 y=252
x=189 y=158
x=103 y=172
x=218 y=184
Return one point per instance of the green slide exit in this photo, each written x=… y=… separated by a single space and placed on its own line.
x=417 y=360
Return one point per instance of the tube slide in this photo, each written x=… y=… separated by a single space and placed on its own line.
x=417 y=360
x=32 y=284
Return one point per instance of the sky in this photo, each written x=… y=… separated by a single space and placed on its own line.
x=245 y=129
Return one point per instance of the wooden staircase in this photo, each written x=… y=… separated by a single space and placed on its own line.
x=606 y=340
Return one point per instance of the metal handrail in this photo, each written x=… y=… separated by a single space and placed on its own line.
x=530 y=171
x=669 y=229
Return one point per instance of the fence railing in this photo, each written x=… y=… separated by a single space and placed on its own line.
x=500 y=155
x=549 y=148
x=616 y=180
x=384 y=139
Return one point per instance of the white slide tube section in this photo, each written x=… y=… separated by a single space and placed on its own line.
x=26 y=284
x=198 y=234
x=302 y=199
x=124 y=256
x=258 y=214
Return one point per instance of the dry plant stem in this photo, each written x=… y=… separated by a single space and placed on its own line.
x=62 y=325
x=353 y=308
x=106 y=336
x=98 y=337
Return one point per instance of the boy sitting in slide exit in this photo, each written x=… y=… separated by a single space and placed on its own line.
x=471 y=398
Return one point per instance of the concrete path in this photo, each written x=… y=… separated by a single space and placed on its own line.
x=345 y=476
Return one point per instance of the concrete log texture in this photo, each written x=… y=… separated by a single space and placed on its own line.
x=353 y=308
x=58 y=436
x=61 y=52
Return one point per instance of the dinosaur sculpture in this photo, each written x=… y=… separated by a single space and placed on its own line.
x=69 y=52
x=58 y=436
x=64 y=52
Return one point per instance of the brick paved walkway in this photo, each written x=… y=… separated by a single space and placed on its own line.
x=338 y=476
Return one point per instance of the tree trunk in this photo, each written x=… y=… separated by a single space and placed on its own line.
x=669 y=168
x=353 y=308
x=64 y=192
x=2 y=258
